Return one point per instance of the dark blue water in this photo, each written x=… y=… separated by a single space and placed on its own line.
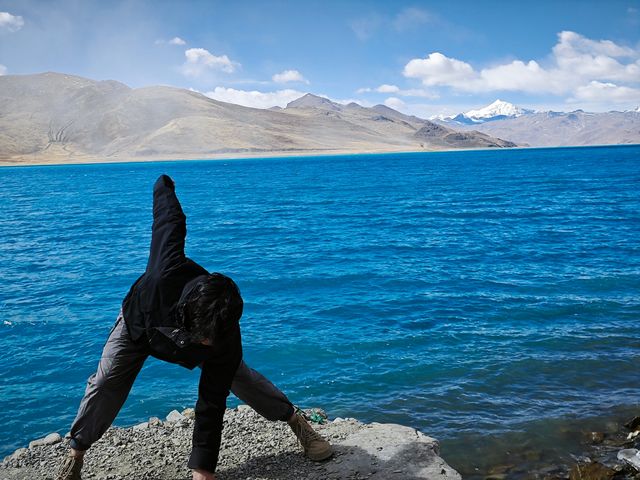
x=460 y=293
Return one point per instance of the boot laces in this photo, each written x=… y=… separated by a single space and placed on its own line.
x=67 y=467
x=306 y=434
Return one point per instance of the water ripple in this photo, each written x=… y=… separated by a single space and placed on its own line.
x=456 y=292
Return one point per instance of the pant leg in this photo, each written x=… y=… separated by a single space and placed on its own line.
x=108 y=388
x=260 y=394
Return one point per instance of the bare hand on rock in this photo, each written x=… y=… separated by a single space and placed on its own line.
x=203 y=475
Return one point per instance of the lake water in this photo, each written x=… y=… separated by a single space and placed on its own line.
x=473 y=295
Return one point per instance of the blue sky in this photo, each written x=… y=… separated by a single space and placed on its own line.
x=421 y=57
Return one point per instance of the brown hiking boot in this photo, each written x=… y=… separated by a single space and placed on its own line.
x=70 y=468
x=315 y=447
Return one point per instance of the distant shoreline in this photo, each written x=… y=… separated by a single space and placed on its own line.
x=37 y=161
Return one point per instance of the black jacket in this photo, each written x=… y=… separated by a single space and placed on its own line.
x=150 y=311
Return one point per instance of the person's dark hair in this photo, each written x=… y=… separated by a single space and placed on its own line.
x=214 y=309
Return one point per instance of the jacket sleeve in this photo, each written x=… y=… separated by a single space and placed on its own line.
x=169 y=228
x=212 y=402
x=215 y=382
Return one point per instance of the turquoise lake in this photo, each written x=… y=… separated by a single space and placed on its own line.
x=468 y=294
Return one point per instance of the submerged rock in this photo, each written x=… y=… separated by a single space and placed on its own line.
x=633 y=424
x=592 y=471
x=596 y=437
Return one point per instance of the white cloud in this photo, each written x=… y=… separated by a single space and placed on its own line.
x=174 y=41
x=394 y=102
x=418 y=92
x=254 y=98
x=13 y=23
x=517 y=76
x=597 y=92
x=289 y=76
x=384 y=88
x=595 y=60
x=3 y=70
x=570 y=43
x=365 y=27
x=578 y=67
x=410 y=92
x=347 y=101
x=437 y=69
x=410 y=18
x=200 y=60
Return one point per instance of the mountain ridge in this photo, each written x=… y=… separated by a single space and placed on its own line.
x=549 y=128
x=497 y=110
x=60 y=118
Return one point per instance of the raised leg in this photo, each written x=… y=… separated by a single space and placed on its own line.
x=259 y=393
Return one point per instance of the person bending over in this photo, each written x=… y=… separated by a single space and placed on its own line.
x=178 y=312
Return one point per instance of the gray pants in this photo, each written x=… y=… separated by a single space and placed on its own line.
x=121 y=361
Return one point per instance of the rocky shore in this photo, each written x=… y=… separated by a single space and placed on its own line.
x=610 y=454
x=252 y=449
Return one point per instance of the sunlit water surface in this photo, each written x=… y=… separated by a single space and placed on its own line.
x=465 y=293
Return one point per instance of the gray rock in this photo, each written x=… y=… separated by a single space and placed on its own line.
x=50 y=439
x=389 y=451
x=630 y=456
x=154 y=421
x=633 y=424
x=141 y=426
x=189 y=413
x=175 y=416
x=18 y=453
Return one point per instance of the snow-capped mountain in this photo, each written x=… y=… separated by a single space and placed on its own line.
x=498 y=110
x=442 y=117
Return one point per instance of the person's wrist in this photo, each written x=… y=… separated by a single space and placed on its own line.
x=199 y=474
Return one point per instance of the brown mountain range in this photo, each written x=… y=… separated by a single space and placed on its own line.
x=57 y=118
